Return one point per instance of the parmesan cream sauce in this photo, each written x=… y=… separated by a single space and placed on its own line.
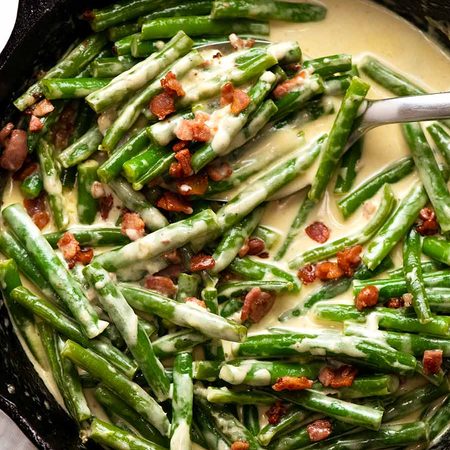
x=357 y=27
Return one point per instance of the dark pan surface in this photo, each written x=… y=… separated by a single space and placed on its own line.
x=45 y=28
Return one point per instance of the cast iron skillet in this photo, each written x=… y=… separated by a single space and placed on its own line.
x=44 y=28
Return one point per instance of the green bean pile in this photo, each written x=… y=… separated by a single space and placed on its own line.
x=153 y=317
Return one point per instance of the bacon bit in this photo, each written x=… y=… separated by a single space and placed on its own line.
x=237 y=98
x=172 y=86
x=68 y=245
x=263 y=255
x=132 y=226
x=172 y=202
x=319 y=430
x=194 y=130
x=328 y=271
x=288 y=85
x=173 y=271
x=240 y=445
x=276 y=412
x=257 y=304
x=5 y=132
x=173 y=256
x=163 y=285
x=15 y=152
x=218 y=171
x=432 y=361
x=194 y=185
x=252 y=246
x=307 y=274
x=244 y=249
x=26 y=171
x=337 y=377
x=37 y=210
x=349 y=259
x=427 y=224
x=395 y=303
x=180 y=145
x=292 y=384
x=196 y=301
x=182 y=168
x=201 y=261
x=162 y=105
x=88 y=15
x=35 y=125
x=105 y=205
x=85 y=255
x=367 y=297
x=318 y=232
x=238 y=43
x=97 y=190
x=41 y=109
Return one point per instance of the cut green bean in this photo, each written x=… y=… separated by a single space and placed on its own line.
x=347 y=170
x=180 y=341
x=111 y=66
x=87 y=205
x=442 y=140
x=81 y=149
x=32 y=185
x=90 y=236
x=56 y=88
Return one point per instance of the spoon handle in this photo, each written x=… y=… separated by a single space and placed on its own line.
x=407 y=109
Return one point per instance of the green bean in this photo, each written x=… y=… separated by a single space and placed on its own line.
x=125 y=29
x=396 y=226
x=111 y=66
x=239 y=288
x=135 y=78
x=183 y=314
x=250 y=418
x=126 y=321
x=56 y=88
x=438 y=423
x=188 y=8
x=413 y=275
x=187 y=286
x=442 y=140
x=81 y=149
x=326 y=66
x=182 y=402
x=87 y=205
x=52 y=184
x=330 y=249
x=429 y=173
x=113 y=404
x=163 y=240
x=53 y=269
x=347 y=170
x=90 y=236
x=32 y=185
x=69 y=66
x=180 y=341
x=436 y=248
x=111 y=168
x=141 y=48
x=251 y=397
x=114 y=437
x=337 y=139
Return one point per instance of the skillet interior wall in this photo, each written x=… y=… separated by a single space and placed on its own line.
x=45 y=28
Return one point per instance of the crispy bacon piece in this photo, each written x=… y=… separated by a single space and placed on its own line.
x=172 y=202
x=5 y=132
x=105 y=204
x=35 y=125
x=276 y=412
x=132 y=225
x=238 y=43
x=162 y=105
x=427 y=224
x=180 y=145
x=244 y=249
x=252 y=246
x=337 y=377
x=37 y=210
x=196 y=301
x=41 y=108
x=349 y=259
x=289 y=383
x=257 y=304
x=193 y=185
x=194 y=130
x=173 y=271
x=307 y=274
x=367 y=297
x=68 y=245
x=318 y=232
x=15 y=152
x=218 y=171
x=395 y=303
x=319 y=430
x=201 y=261
x=237 y=98
x=85 y=255
x=182 y=168
x=288 y=85
x=432 y=361
x=173 y=256
x=172 y=86
x=163 y=285
x=328 y=271
x=240 y=445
